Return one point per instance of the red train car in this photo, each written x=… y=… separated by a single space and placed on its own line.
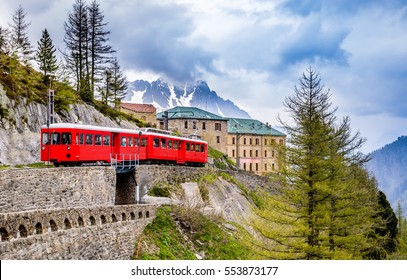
x=72 y=144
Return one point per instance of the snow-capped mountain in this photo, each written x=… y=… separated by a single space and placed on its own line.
x=164 y=96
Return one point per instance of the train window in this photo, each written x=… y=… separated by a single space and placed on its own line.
x=136 y=142
x=202 y=148
x=143 y=142
x=45 y=140
x=55 y=138
x=156 y=142
x=175 y=145
x=192 y=147
x=123 y=141
x=77 y=139
x=130 y=141
x=66 y=138
x=89 y=139
x=81 y=138
x=98 y=140
x=197 y=147
x=106 y=140
x=163 y=143
x=169 y=144
x=188 y=146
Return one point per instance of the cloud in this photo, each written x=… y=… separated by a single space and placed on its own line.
x=152 y=36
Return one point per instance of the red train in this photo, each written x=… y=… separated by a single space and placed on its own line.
x=73 y=144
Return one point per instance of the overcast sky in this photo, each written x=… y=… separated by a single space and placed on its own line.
x=254 y=51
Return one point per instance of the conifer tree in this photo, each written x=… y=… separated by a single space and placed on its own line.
x=100 y=52
x=119 y=83
x=46 y=57
x=20 y=44
x=4 y=41
x=320 y=211
x=77 y=42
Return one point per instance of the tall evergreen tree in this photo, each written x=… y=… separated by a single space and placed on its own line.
x=4 y=41
x=100 y=52
x=105 y=87
x=20 y=44
x=77 y=43
x=119 y=83
x=46 y=57
x=317 y=213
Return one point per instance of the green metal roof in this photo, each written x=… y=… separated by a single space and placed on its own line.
x=180 y=112
x=250 y=126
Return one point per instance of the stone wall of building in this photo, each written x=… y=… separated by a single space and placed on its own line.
x=50 y=188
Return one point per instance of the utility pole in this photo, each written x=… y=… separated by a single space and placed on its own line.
x=51 y=107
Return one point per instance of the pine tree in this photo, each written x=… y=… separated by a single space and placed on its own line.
x=77 y=42
x=320 y=211
x=20 y=44
x=118 y=84
x=105 y=87
x=46 y=57
x=100 y=52
x=4 y=41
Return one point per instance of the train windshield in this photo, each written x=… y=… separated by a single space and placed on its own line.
x=45 y=138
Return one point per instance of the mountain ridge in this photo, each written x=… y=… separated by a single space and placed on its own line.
x=388 y=164
x=164 y=96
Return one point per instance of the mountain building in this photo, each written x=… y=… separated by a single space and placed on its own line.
x=195 y=122
x=145 y=112
x=253 y=145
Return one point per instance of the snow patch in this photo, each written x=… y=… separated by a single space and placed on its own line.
x=137 y=96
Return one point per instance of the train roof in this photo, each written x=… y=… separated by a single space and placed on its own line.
x=90 y=127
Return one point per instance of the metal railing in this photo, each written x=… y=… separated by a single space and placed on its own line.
x=124 y=162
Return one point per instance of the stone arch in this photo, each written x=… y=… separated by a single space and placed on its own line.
x=80 y=222
x=67 y=224
x=53 y=225
x=140 y=215
x=23 y=231
x=38 y=228
x=4 y=234
x=114 y=219
x=103 y=219
x=92 y=221
x=124 y=216
x=132 y=216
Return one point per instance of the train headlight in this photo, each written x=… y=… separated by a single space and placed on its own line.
x=43 y=148
x=68 y=148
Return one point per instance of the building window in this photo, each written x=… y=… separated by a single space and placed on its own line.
x=281 y=142
x=194 y=125
x=218 y=127
x=265 y=141
x=244 y=166
x=265 y=167
x=250 y=167
x=244 y=153
x=186 y=125
x=250 y=141
x=203 y=125
x=233 y=153
x=265 y=153
x=272 y=167
x=257 y=153
x=218 y=139
x=233 y=141
x=251 y=153
x=272 y=153
x=244 y=141
x=257 y=167
x=257 y=141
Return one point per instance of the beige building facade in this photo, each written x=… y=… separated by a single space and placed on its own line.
x=195 y=122
x=145 y=112
x=253 y=145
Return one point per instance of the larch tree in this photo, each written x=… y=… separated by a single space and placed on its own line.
x=316 y=213
x=118 y=84
x=100 y=52
x=20 y=44
x=77 y=43
x=46 y=57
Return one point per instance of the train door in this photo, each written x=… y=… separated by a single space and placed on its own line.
x=115 y=151
x=181 y=152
